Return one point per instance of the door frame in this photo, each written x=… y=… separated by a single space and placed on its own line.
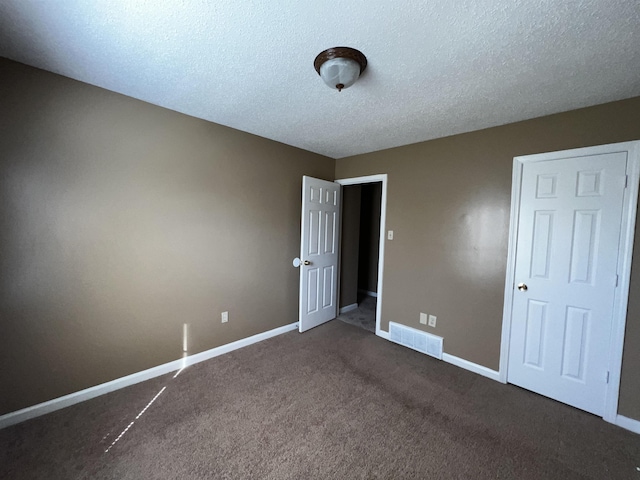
x=383 y=216
x=625 y=250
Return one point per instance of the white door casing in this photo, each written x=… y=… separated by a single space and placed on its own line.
x=382 y=178
x=571 y=239
x=319 y=251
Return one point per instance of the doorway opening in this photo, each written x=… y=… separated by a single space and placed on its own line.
x=360 y=247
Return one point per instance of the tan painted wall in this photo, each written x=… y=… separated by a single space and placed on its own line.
x=448 y=204
x=349 y=245
x=120 y=221
x=629 y=404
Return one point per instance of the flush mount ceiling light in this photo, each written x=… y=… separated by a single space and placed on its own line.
x=340 y=67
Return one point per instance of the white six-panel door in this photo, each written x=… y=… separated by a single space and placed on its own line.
x=565 y=277
x=319 y=252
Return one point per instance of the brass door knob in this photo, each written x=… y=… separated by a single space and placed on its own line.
x=307 y=262
x=522 y=287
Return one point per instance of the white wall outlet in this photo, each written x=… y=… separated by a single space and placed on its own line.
x=432 y=320
x=225 y=317
x=423 y=318
x=390 y=235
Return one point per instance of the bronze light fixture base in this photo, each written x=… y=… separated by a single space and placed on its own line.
x=346 y=53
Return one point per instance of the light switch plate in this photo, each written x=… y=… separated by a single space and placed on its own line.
x=390 y=235
x=423 y=318
x=225 y=317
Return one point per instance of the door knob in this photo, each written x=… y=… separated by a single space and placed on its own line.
x=522 y=287
x=297 y=262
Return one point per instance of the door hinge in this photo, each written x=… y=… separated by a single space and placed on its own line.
x=617 y=279
x=626 y=181
x=607 y=377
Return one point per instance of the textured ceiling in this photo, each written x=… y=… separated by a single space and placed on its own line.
x=435 y=68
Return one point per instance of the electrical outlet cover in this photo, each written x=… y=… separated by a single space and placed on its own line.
x=432 y=320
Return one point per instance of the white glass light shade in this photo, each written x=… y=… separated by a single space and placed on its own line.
x=340 y=72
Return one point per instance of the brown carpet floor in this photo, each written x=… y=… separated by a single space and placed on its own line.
x=335 y=402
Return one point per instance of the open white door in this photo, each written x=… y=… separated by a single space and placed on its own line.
x=319 y=252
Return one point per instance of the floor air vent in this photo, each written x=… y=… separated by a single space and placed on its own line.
x=416 y=339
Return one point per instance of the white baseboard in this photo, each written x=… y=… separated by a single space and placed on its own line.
x=348 y=308
x=367 y=292
x=628 y=423
x=473 y=367
x=459 y=362
x=382 y=334
x=71 y=399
